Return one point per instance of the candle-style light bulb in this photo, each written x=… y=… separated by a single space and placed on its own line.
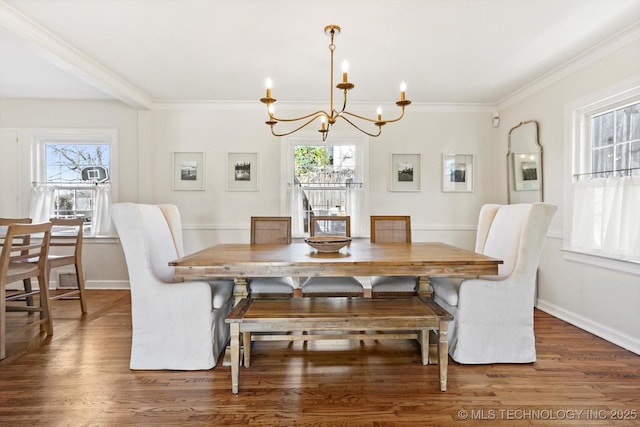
x=271 y=109
x=345 y=70
x=268 y=84
x=403 y=89
x=379 y=111
x=323 y=120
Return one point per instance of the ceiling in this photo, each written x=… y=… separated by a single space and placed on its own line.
x=148 y=51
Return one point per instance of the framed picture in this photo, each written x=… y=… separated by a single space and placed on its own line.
x=526 y=171
x=242 y=171
x=188 y=171
x=457 y=172
x=406 y=174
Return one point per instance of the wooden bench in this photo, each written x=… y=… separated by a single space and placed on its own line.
x=374 y=318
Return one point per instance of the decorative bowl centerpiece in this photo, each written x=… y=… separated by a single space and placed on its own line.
x=328 y=243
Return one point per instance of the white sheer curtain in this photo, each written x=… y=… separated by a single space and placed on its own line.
x=606 y=217
x=101 y=220
x=359 y=223
x=41 y=203
x=297 y=215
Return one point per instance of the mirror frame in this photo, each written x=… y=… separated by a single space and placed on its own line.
x=511 y=181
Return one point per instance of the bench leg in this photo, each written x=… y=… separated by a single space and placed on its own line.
x=235 y=356
x=443 y=353
x=246 y=345
x=424 y=345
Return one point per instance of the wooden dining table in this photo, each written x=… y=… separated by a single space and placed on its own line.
x=359 y=258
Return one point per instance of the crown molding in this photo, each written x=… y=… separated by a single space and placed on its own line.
x=204 y=104
x=64 y=56
x=608 y=46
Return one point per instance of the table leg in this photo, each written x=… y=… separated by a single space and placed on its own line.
x=240 y=289
x=239 y=293
x=443 y=353
x=235 y=356
x=424 y=287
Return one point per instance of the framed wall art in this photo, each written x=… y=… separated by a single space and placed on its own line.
x=188 y=171
x=526 y=171
x=457 y=172
x=242 y=171
x=406 y=174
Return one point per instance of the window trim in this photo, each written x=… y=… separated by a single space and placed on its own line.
x=577 y=159
x=37 y=138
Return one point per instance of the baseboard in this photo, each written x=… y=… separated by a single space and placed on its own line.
x=94 y=284
x=597 y=329
x=107 y=284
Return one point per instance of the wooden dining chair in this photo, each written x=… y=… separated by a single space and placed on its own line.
x=24 y=243
x=392 y=229
x=27 y=292
x=66 y=239
x=331 y=286
x=270 y=230
x=330 y=226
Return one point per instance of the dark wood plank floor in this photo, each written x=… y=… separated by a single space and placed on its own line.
x=81 y=376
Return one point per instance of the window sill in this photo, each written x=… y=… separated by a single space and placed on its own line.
x=625 y=266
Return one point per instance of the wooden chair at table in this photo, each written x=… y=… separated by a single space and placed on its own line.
x=22 y=244
x=331 y=286
x=67 y=235
x=392 y=229
x=270 y=230
x=27 y=293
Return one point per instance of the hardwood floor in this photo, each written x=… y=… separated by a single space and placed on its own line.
x=81 y=376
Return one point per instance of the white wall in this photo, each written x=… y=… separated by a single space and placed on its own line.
x=600 y=300
x=216 y=215
x=103 y=259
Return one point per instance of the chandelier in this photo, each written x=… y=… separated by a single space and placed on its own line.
x=328 y=118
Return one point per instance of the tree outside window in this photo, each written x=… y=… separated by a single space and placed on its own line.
x=73 y=169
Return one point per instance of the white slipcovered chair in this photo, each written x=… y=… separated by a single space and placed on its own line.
x=493 y=315
x=178 y=326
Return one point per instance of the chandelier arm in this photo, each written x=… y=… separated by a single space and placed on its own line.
x=344 y=104
x=314 y=116
x=397 y=118
x=374 y=120
x=295 y=130
x=360 y=129
x=357 y=116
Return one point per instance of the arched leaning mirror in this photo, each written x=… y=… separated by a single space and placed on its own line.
x=524 y=164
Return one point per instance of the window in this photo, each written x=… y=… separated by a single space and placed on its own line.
x=605 y=191
x=73 y=169
x=72 y=176
x=327 y=180
x=615 y=142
